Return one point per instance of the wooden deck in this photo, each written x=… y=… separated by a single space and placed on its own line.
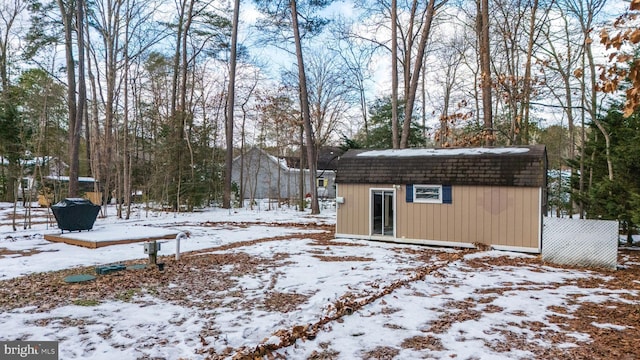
x=89 y=239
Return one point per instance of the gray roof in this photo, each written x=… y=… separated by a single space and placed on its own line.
x=506 y=166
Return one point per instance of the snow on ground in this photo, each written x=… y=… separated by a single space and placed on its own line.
x=366 y=299
x=57 y=256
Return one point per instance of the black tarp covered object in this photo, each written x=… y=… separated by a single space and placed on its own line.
x=75 y=214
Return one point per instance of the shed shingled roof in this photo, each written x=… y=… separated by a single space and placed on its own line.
x=524 y=166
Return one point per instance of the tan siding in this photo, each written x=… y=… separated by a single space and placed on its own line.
x=477 y=219
x=502 y=220
x=437 y=224
x=352 y=216
x=486 y=207
x=505 y=216
x=511 y=218
x=518 y=214
x=462 y=194
x=530 y=216
x=457 y=214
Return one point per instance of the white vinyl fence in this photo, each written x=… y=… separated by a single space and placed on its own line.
x=591 y=243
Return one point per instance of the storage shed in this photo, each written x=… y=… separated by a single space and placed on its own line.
x=451 y=196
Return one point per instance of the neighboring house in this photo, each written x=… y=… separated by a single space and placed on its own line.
x=260 y=175
x=49 y=167
x=451 y=197
x=326 y=169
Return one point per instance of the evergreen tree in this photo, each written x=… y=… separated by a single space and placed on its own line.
x=616 y=199
x=380 y=130
x=10 y=146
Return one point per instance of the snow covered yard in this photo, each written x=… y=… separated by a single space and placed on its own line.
x=277 y=284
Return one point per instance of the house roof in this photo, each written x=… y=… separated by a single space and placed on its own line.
x=256 y=151
x=509 y=166
x=327 y=158
x=285 y=163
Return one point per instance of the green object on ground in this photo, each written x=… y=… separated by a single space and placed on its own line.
x=103 y=270
x=79 y=278
x=137 y=267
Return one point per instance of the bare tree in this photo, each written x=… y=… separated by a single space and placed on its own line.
x=410 y=28
x=226 y=202
x=585 y=12
x=355 y=56
x=124 y=32
x=329 y=94
x=9 y=17
x=285 y=21
x=528 y=81
x=482 y=21
x=559 y=56
x=108 y=21
x=394 y=75
x=411 y=77
x=450 y=57
x=73 y=20
x=304 y=105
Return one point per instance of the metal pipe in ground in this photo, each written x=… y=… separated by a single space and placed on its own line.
x=178 y=237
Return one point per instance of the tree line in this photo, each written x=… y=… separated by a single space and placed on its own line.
x=159 y=97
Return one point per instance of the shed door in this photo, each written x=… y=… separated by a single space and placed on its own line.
x=382 y=212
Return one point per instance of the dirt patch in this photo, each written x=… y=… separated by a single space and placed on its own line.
x=611 y=326
x=282 y=302
x=444 y=323
x=4 y=252
x=328 y=354
x=342 y=258
x=197 y=273
x=193 y=281
x=381 y=353
x=423 y=343
x=346 y=305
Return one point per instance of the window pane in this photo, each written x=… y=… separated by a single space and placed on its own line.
x=427 y=192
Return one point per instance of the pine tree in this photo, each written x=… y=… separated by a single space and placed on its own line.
x=616 y=199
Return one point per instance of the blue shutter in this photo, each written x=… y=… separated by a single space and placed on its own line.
x=446 y=194
x=409 y=193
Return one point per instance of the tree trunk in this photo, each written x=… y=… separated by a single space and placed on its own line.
x=242 y=152
x=76 y=128
x=523 y=137
x=95 y=145
x=485 y=69
x=301 y=172
x=306 y=116
x=415 y=75
x=228 y=161
x=67 y=21
x=173 y=173
x=394 y=74
x=126 y=156
x=593 y=106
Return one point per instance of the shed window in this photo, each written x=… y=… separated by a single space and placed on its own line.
x=427 y=193
x=434 y=194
